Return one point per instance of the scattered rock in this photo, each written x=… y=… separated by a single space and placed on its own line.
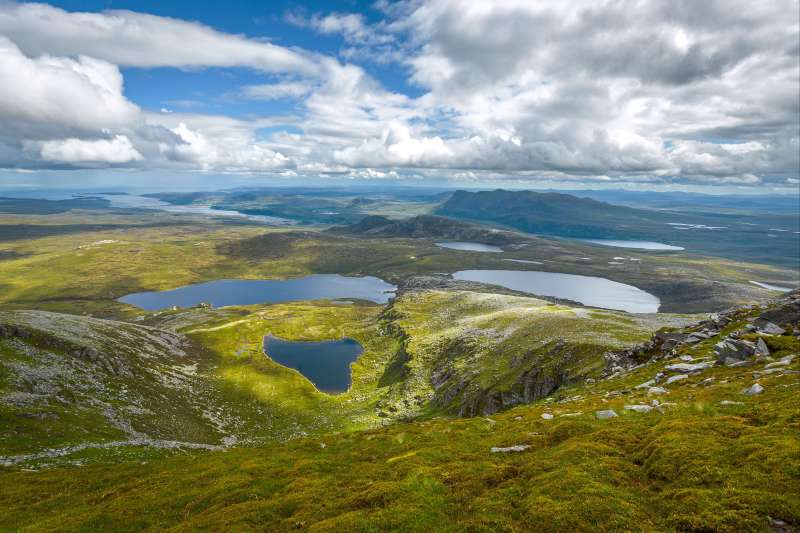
x=761 y=348
x=688 y=368
x=669 y=340
x=753 y=389
x=686 y=358
x=767 y=372
x=515 y=448
x=657 y=390
x=547 y=416
x=639 y=408
x=606 y=413
x=730 y=402
x=783 y=315
x=646 y=384
x=779 y=526
x=768 y=328
x=674 y=379
x=730 y=350
x=783 y=361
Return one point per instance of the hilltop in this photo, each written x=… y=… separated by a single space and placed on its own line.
x=429 y=226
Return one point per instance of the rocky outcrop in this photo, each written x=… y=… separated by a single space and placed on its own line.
x=729 y=351
x=781 y=317
x=108 y=362
x=465 y=395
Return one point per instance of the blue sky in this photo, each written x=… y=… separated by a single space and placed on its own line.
x=653 y=95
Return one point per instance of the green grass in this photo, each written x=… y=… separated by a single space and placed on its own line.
x=483 y=342
x=698 y=466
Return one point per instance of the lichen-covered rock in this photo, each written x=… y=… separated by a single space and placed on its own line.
x=732 y=350
x=761 y=348
x=765 y=326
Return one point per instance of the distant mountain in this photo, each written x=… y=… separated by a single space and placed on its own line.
x=757 y=237
x=428 y=226
x=39 y=206
x=696 y=202
x=552 y=213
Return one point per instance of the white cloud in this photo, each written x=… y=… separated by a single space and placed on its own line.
x=628 y=91
x=116 y=150
x=212 y=143
x=83 y=93
x=132 y=39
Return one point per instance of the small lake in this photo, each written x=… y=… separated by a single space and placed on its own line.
x=636 y=245
x=524 y=261
x=588 y=290
x=470 y=247
x=326 y=364
x=771 y=287
x=223 y=292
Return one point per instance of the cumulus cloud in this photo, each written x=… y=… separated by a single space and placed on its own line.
x=84 y=93
x=131 y=39
x=113 y=151
x=678 y=91
x=624 y=90
x=219 y=144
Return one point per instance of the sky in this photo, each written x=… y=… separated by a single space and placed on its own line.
x=664 y=95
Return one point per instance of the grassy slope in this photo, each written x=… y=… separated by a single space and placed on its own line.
x=223 y=388
x=700 y=465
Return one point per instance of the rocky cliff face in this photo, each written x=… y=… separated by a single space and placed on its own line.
x=731 y=338
x=471 y=353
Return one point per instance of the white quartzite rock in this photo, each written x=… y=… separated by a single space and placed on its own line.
x=639 y=408
x=688 y=368
x=607 y=413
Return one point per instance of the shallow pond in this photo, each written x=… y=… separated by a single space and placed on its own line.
x=326 y=364
x=588 y=290
x=470 y=247
x=224 y=292
x=636 y=245
x=771 y=287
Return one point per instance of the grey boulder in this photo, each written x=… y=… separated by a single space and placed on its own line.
x=732 y=350
x=753 y=389
x=768 y=328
